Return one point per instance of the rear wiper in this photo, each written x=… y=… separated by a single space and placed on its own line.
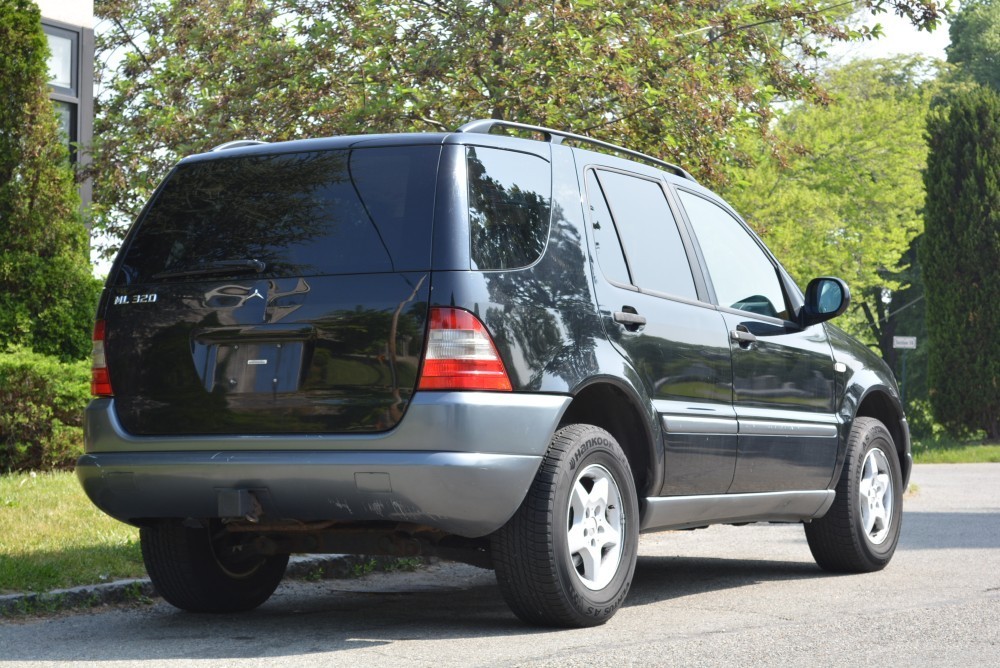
x=213 y=268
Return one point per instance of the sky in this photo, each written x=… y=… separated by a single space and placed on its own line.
x=900 y=38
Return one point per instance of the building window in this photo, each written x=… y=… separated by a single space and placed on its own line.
x=71 y=76
x=64 y=79
x=67 y=120
x=62 y=59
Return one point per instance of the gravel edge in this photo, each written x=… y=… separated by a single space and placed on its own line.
x=310 y=566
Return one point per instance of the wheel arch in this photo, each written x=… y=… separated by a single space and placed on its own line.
x=607 y=404
x=880 y=404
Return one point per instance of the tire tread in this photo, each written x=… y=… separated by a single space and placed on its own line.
x=184 y=572
x=834 y=540
x=523 y=553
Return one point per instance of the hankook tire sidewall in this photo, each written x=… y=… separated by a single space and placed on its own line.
x=597 y=603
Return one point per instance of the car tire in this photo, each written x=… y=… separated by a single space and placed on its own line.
x=203 y=570
x=860 y=531
x=567 y=556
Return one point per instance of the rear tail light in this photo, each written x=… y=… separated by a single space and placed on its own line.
x=460 y=354
x=100 y=381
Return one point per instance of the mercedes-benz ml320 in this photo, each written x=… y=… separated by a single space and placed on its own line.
x=520 y=352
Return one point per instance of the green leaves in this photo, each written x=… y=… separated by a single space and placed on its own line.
x=847 y=201
x=975 y=42
x=689 y=82
x=41 y=410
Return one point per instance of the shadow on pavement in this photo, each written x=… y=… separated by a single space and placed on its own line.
x=447 y=601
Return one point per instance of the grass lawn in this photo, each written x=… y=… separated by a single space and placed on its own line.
x=945 y=450
x=52 y=536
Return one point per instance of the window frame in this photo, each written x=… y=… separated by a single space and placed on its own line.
x=781 y=276
x=73 y=90
x=79 y=96
x=701 y=292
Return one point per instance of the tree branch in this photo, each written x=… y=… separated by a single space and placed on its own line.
x=128 y=38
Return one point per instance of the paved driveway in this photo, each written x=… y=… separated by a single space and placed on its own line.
x=724 y=596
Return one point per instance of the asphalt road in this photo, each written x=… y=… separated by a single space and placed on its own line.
x=723 y=596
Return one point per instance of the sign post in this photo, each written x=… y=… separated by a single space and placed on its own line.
x=904 y=343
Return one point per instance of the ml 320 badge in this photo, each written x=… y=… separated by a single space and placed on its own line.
x=122 y=300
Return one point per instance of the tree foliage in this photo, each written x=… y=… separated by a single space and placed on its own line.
x=975 y=41
x=846 y=201
x=960 y=256
x=47 y=295
x=682 y=80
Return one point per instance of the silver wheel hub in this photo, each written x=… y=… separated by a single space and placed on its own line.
x=595 y=527
x=876 y=496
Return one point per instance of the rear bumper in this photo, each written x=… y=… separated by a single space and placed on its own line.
x=461 y=462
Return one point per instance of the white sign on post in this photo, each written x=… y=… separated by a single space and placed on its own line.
x=904 y=342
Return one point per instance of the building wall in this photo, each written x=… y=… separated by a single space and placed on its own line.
x=73 y=12
x=69 y=25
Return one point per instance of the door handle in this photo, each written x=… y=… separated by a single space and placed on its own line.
x=742 y=336
x=632 y=320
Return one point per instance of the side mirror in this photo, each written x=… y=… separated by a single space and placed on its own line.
x=826 y=298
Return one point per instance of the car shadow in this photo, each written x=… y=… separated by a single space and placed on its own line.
x=445 y=602
x=662 y=578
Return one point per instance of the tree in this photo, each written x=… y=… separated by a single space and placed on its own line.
x=846 y=200
x=47 y=295
x=975 y=41
x=960 y=256
x=908 y=317
x=681 y=80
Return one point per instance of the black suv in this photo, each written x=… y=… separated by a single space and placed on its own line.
x=516 y=351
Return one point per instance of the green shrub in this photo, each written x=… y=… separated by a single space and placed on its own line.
x=41 y=410
x=921 y=420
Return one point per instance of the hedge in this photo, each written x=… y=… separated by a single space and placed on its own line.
x=41 y=410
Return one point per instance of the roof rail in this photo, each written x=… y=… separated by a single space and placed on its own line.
x=486 y=125
x=238 y=143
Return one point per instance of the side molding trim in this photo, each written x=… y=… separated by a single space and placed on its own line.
x=686 y=512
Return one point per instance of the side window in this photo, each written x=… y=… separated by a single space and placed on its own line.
x=509 y=195
x=609 y=248
x=743 y=276
x=653 y=246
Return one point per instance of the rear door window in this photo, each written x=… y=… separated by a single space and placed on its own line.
x=509 y=204
x=610 y=256
x=653 y=247
x=323 y=212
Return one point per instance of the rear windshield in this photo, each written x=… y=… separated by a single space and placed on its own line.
x=324 y=212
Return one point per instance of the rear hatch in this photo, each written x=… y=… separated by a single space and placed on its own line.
x=265 y=293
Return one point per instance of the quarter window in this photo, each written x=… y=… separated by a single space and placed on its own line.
x=743 y=276
x=509 y=195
